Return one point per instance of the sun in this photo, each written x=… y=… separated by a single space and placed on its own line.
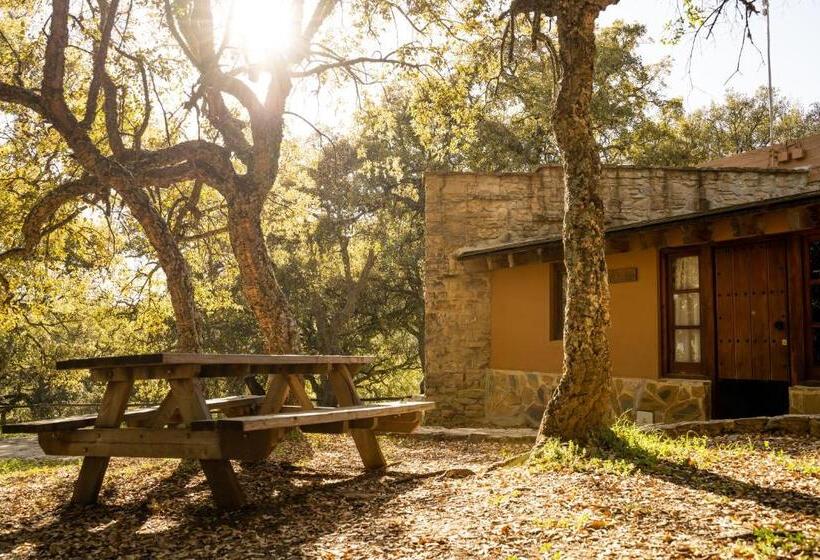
x=262 y=29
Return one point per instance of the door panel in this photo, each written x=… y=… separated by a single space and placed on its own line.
x=751 y=303
x=778 y=280
x=724 y=282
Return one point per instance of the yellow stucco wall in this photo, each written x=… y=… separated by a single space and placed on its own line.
x=520 y=309
x=520 y=312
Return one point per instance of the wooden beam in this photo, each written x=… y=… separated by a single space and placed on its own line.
x=366 y=442
x=296 y=418
x=133 y=442
x=747 y=225
x=112 y=409
x=697 y=232
x=617 y=244
x=181 y=358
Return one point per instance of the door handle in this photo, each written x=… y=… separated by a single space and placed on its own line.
x=780 y=325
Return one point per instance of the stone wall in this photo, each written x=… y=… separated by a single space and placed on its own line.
x=474 y=210
x=518 y=398
x=804 y=399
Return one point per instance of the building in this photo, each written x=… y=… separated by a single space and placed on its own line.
x=715 y=282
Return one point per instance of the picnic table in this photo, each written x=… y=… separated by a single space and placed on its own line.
x=183 y=426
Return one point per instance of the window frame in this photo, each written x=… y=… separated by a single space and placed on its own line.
x=671 y=367
x=557 y=299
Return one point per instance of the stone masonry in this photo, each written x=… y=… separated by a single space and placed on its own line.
x=473 y=210
x=518 y=398
x=804 y=399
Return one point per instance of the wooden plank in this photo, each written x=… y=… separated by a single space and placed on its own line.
x=189 y=399
x=112 y=409
x=171 y=358
x=708 y=341
x=165 y=413
x=366 y=443
x=757 y=270
x=399 y=424
x=132 y=417
x=292 y=417
x=297 y=388
x=275 y=395
x=725 y=313
x=796 y=330
x=218 y=472
x=742 y=312
x=778 y=304
x=133 y=442
x=53 y=425
x=124 y=373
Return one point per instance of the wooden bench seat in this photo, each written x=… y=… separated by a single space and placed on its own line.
x=331 y=415
x=131 y=417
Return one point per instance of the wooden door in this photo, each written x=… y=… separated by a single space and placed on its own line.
x=751 y=307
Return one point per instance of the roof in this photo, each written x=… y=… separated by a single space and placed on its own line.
x=702 y=168
x=803 y=153
x=535 y=242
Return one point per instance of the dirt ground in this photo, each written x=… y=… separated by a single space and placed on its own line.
x=751 y=498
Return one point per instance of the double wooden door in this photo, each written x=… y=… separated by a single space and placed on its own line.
x=751 y=310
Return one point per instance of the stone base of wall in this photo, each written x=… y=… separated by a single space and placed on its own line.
x=518 y=398
x=804 y=399
x=793 y=424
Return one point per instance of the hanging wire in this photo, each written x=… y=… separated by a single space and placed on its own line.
x=769 y=65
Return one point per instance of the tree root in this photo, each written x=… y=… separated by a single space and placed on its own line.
x=514 y=461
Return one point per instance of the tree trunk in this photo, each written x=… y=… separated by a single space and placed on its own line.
x=257 y=278
x=177 y=274
x=581 y=405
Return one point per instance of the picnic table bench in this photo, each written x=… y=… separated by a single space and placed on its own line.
x=182 y=426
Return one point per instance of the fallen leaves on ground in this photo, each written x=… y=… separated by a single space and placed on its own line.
x=755 y=498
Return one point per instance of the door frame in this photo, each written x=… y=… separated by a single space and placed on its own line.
x=798 y=333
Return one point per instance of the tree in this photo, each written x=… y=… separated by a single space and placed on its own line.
x=582 y=403
x=737 y=124
x=480 y=115
x=237 y=143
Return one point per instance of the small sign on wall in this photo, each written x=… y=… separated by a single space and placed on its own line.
x=620 y=275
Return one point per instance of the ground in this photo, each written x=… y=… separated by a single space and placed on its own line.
x=741 y=496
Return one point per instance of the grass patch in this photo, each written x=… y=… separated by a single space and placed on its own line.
x=621 y=450
x=29 y=466
x=797 y=464
x=777 y=542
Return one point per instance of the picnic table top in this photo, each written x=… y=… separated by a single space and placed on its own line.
x=180 y=358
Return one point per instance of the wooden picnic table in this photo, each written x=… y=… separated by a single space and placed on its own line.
x=182 y=426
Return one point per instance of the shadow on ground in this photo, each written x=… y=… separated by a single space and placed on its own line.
x=290 y=507
x=684 y=473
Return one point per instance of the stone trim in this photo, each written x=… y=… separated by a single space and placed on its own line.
x=804 y=399
x=794 y=424
x=518 y=398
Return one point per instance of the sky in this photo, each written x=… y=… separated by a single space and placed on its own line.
x=699 y=80
x=795 y=42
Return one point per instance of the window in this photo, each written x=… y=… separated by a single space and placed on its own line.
x=683 y=319
x=558 y=300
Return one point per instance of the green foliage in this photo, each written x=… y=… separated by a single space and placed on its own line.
x=779 y=542
x=738 y=124
x=621 y=450
x=32 y=466
x=345 y=224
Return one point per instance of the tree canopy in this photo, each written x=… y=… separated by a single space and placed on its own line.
x=152 y=200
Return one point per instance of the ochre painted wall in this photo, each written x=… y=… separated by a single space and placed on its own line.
x=520 y=309
x=520 y=312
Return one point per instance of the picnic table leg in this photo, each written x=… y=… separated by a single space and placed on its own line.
x=366 y=441
x=88 y=485
x=220 y=474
